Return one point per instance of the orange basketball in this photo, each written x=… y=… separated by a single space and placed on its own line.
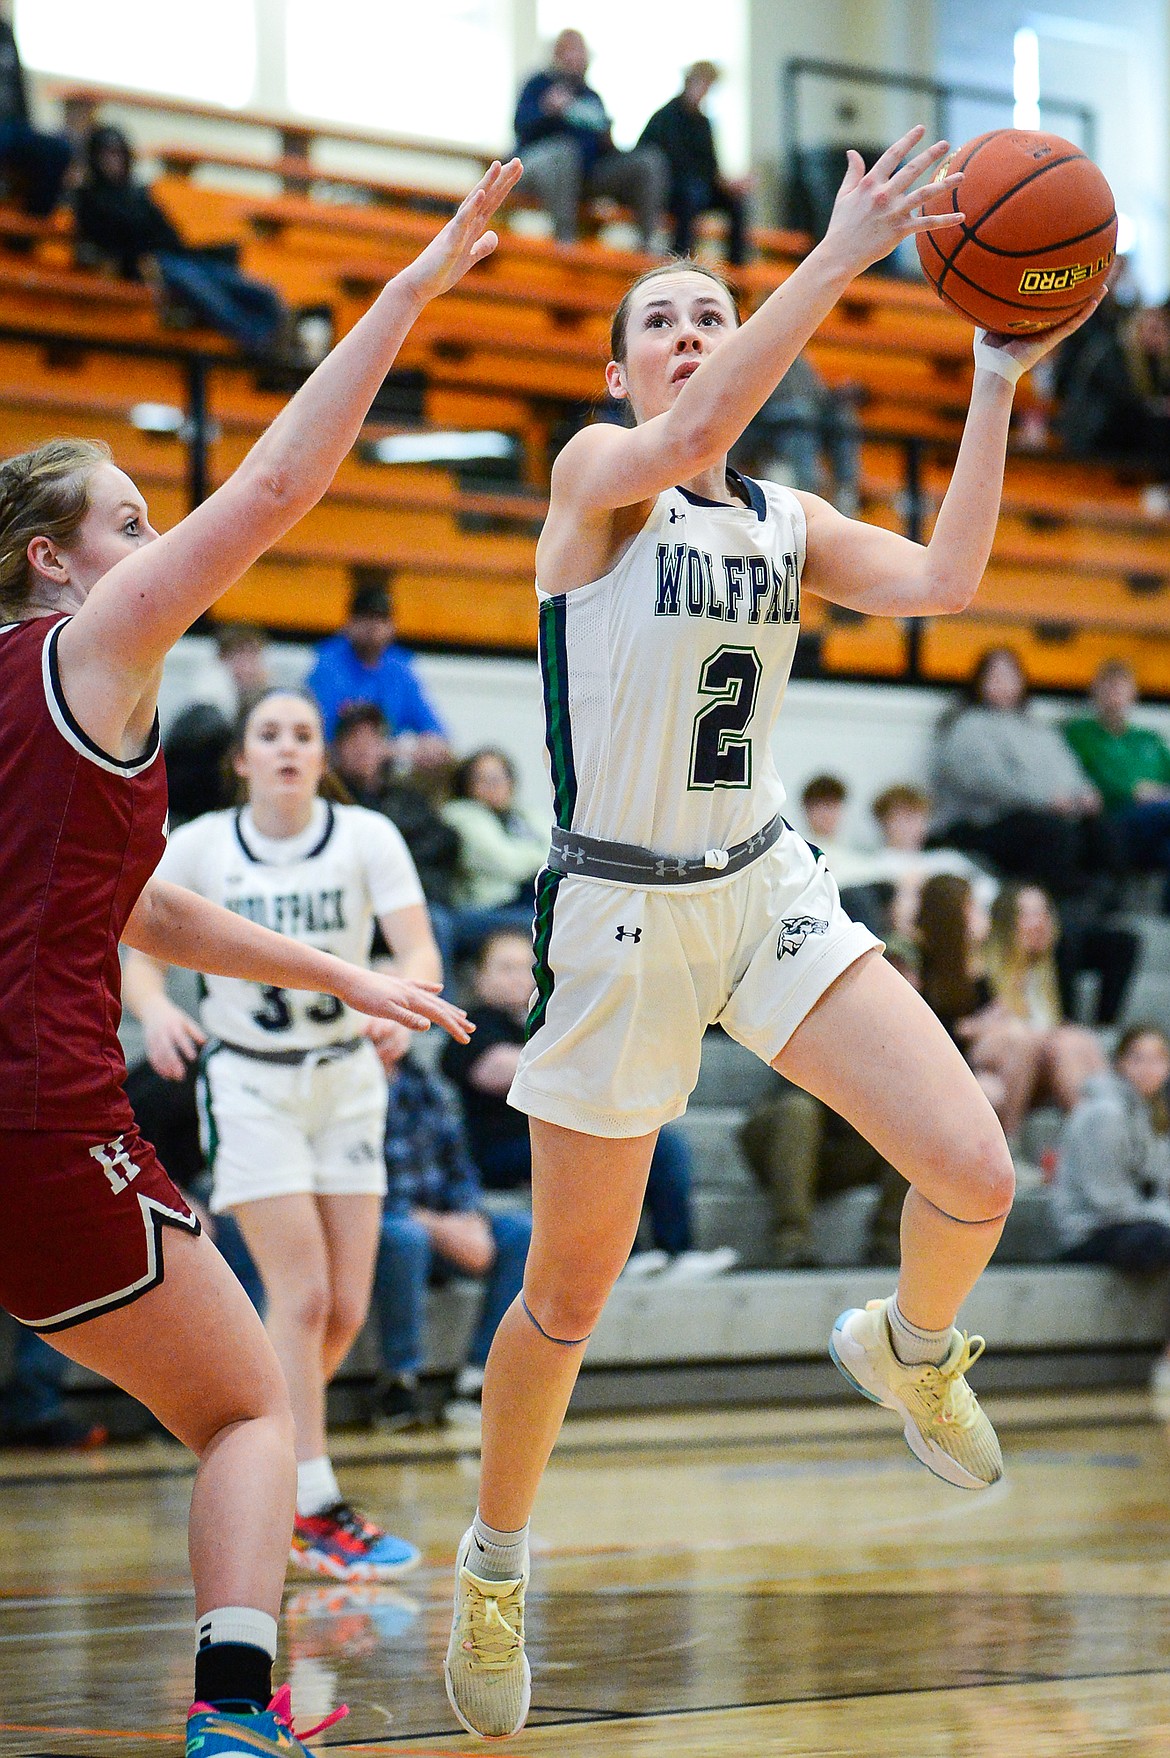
x=1037 y=239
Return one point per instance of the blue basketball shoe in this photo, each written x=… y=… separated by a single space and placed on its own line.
x=340 y=1542
x=269 y=1733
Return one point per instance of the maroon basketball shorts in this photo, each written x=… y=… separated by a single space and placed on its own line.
x=81 y=1223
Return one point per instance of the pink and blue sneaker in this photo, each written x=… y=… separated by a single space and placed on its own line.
x=342 y=1543
x=267 y=1733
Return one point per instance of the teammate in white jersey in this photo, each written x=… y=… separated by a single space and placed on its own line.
x=676 y=897
x=292 y=1090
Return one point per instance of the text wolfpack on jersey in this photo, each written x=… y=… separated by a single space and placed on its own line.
x=747 y=588
x=294 y=912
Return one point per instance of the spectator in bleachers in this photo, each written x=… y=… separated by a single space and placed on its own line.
x=823 y=800
x=365 y=758
x=198 y=739
x=119 y=222
x=33 y=162
x=893 y=874
x=1002 y=1049
x=498 y=1135
x=1111 y=1193
x=1114 y=387
x=902 y=814
x=500 y=849
x=682 y=131
x=1130 y=767
x=563 y=135
x=1025 y=981
x=1008 y=788
x=802 y=1152
x=809 y=433
x=33 y=1411
x=434 y=1218
x=364 y=663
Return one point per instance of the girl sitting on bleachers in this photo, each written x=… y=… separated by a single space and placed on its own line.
x=1111 y=1195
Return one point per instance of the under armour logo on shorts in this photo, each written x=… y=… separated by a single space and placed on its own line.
x=116 y=1163
x=795 y=930
x=634 y=934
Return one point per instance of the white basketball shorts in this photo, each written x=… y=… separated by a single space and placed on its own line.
x=316 y=1128
x=629 y=978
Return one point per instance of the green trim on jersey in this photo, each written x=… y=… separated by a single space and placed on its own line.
x=558 y=734
x=208 y=1129
x=546 y=897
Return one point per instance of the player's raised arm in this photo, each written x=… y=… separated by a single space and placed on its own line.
x=141 y=606
x=174 y=926
x=688 y=420
x=878 y=572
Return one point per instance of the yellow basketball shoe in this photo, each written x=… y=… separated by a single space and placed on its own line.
x=943 y=1424
x=489 y=1681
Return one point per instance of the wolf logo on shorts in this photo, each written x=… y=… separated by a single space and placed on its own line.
x=795 y=930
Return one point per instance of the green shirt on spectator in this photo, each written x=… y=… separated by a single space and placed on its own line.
x=1116 y=762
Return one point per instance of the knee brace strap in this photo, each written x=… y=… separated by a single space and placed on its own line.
x=961 y=1221
x=565 y=1342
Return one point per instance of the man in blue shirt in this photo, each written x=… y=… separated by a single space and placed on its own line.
x=563 y=135
x=364 y=664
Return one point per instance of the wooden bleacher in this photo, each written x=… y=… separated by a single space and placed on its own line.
x=1080 y=566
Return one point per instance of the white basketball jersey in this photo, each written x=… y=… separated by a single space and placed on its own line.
x=663 y=679
x=323 y=887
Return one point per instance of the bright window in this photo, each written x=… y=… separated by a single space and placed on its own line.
x=206 y=53
x=639 y=53
x=440 y=69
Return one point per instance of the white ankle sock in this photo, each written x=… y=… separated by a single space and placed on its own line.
x=237 y=1623
x=497 y=1556
x=912 y=1345
x=317 y=1488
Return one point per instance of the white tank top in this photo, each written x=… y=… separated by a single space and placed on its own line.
x=663 y=679
x=323 y=887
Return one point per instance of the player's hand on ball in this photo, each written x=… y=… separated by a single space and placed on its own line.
x=172 y=1038
x=1025 y=351
x=418 y=1005
x=876 y=209
x=466 y=238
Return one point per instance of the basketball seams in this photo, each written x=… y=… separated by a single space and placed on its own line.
x=1044 y=249
x=1057 y=313
x=965 y=234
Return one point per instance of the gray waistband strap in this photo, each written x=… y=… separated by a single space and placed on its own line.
x=626 y=864
x=292 y=1058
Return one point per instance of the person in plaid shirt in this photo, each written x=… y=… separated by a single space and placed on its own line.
x=434 y=1217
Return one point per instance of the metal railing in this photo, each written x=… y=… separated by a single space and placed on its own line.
x=801 y=72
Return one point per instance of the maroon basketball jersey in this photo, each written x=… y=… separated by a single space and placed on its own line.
x=80 y=834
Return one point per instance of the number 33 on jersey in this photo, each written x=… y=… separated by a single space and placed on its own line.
x=663 y=679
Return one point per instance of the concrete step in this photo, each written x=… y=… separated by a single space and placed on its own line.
x=712 y=1133
x=729 y=1075
x=787 y=1315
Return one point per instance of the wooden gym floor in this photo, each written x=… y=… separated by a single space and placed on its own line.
x=786 y=1582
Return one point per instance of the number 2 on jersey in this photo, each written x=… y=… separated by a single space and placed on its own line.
x=721 y=754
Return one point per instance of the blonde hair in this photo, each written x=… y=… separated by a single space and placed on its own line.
x=43 y=493
x=1009 y=971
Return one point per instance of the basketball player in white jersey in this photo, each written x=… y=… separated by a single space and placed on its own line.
x=293 y=1094
x=675 y=895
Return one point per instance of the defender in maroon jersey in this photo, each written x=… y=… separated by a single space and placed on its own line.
x=96 y=1245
